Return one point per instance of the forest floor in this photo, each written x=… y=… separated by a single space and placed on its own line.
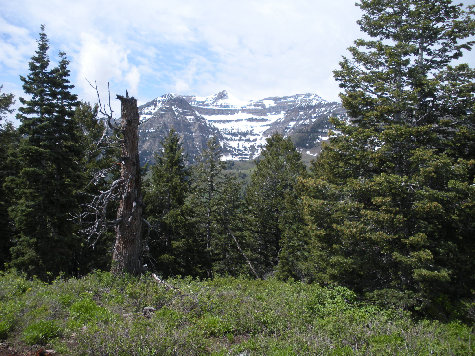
x=101 y=314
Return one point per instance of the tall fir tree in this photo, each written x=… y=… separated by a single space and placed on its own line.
x=275 y=177
x=389 y=203
x=164 y=199
x=44 y=191
x=229 y=248
x=215 y=204
x=8 y=143
x=6 y=101
x=207 y=176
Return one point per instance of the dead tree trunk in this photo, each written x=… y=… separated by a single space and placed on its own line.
x=128 y=245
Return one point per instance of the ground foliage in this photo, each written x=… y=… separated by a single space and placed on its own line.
x=103 y=314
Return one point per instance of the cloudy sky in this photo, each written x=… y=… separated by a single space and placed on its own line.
x=252 y=48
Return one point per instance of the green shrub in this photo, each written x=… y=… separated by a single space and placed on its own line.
x=8 y=313
x=41 y=332
x=170 y=317
x=6 y=325
x=14 y=285
x=213 y=325
x=85 y=311
x=223 y=316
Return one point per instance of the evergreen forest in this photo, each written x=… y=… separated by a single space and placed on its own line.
x=369 y=249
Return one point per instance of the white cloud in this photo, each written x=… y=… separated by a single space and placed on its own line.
x=15 y=45
x=249 y=47
x=102 y=61
x=198 y=70
x=133 y=79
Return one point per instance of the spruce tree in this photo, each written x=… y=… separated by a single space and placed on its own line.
x=164 y=199
x=44 y=191
x=274 y=178
x=206 y=191
x=8 y=141
x=6 y=101
x=215 y=205
x=388 y=204
x=207 y=179
x=229 y=248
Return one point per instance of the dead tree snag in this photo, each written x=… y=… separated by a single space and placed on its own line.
x=128 y=245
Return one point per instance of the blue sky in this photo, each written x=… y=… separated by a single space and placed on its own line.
x=250 y=48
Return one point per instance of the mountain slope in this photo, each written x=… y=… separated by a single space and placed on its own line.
x=242 y=128
x=165 y=113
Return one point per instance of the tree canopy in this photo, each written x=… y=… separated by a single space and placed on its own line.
x=389 y=201
x=44 y=192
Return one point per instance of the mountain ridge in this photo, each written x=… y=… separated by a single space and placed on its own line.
x=241 y=127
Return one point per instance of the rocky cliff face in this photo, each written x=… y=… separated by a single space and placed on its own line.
x=242 y=128
x=165 y=113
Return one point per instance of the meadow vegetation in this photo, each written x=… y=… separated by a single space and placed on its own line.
x=102 y=314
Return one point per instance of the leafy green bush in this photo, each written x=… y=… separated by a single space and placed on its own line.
x=86 y=310
x=8 y=313
x=214 y=325
x=101 y=314
x=41 y=332
x=14 y=285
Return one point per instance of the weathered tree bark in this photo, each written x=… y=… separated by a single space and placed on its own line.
x=127 y=255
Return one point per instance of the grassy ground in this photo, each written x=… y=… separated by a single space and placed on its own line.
x=101 y=314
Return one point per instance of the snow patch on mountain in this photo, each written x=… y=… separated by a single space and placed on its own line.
x=243 y=126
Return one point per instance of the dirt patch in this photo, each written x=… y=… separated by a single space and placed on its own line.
x=9 y=350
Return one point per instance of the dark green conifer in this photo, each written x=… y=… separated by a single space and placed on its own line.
x=203 y=200
x=165 y=194
x=229 y=250
x=45 y=189
x=215 y=203
x=8 y=143
x=6 y=101
x=274 y=178
x=388 y=203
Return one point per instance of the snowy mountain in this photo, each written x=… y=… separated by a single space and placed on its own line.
x=241 y=127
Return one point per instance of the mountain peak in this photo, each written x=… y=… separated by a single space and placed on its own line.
x=223 y=94
x=168 y=96
x=216 y=98
x=242 y=127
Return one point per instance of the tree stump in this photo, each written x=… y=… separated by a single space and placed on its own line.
x=127 y=254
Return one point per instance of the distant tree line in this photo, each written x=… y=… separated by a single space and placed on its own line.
x=386 y=209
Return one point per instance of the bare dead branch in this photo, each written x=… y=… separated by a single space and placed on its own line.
x=243 y=254
x=179 y=292
x=93 y=216
x=106 y=111
x=161 y=281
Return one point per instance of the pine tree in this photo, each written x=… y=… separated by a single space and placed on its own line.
x=295 y=241
x=215 y=204
x=272 y=181
x=207 y=180
x=165 y=194
x=8 y=141
x=6 y=101
x=389 y=200
x=229 y=247
x=44 y=191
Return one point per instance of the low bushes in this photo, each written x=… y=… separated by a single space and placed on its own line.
x=103 y=314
